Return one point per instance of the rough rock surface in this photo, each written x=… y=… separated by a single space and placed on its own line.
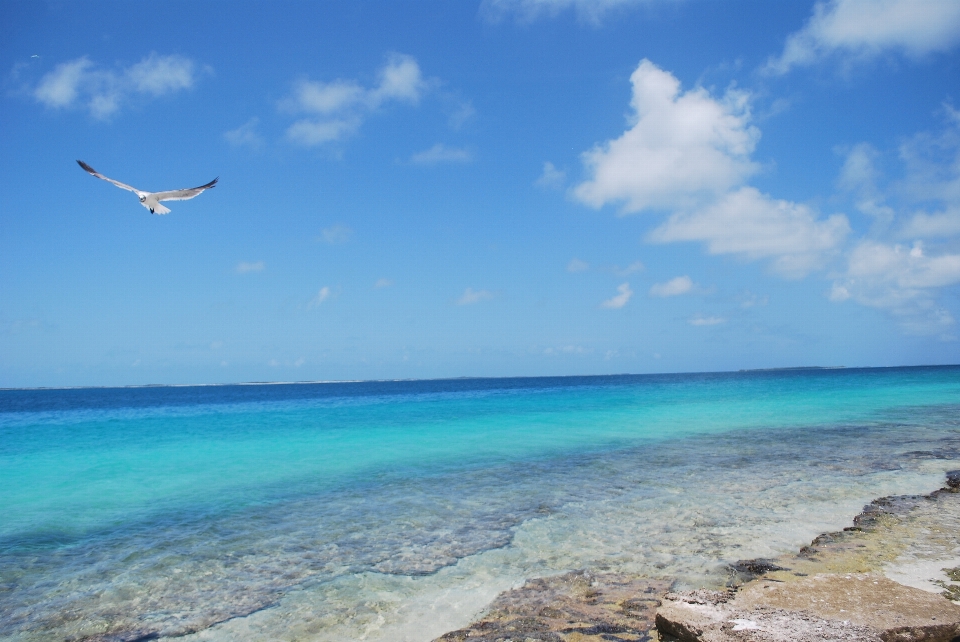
x=575 y=607
x=831 y=590
x=856 y=606
x=707 y=616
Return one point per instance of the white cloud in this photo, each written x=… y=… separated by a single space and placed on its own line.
x=471 y=296
x=103 y=92
x=592 y=11
x=749 y=300
x=321 y=296
x=336 y=234
x=932 y=163
x=337 y=109
x=862 y=29
x=460 y=113
x=61 y=87
x=440 y=153
x=570 y=349
x=618 y=301
x=576 y=265
x=244 y=267
x=383 y=283
x=859 y=176
x=310 y=133
x=551 y=178
x=245 y=135
x=636 y=266
x=681 y=148
x=674 y=287
x=902 y=280
x=701 y=320
x=158 y=75
x=939 y=224
x=754 y=226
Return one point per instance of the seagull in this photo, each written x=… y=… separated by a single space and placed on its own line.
x=151 y=200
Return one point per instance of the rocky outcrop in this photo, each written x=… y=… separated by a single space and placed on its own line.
x=832 y=590
x=574 y=607
x=856 y=606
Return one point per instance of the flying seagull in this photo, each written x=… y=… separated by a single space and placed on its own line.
x=151 y=200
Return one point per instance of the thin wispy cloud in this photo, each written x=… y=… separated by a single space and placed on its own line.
x=440 y=153
x=674 y=287
x=862 y=29
x=568 y=349
x=624 y=293
x=245 y=267
x=551 y=177
x=471 y=296
x=576 y=265
x=636 y=266
x=336 y=234
x=103 y=91
x=905 y=265
x=701 y=320
x=246 y=135
x=337 y=109
x=590 y=11
x=320 y=297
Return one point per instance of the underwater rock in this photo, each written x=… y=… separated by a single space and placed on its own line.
x=579 y=606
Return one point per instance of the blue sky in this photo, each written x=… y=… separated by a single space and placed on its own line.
x=509 y=187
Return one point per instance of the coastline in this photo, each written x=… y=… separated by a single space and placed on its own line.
x=909 y=543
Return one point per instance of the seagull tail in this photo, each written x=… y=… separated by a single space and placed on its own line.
x=160 y=209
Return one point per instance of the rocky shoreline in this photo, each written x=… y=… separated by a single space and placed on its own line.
x=894 y=576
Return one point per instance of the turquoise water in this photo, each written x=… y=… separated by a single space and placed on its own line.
x=290 y=511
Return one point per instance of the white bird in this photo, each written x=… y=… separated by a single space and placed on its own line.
x=151 y=200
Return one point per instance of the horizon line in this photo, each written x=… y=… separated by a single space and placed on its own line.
x=399 y=380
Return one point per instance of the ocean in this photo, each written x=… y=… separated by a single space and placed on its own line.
x=398 y=510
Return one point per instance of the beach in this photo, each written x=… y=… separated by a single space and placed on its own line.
x=402 y=510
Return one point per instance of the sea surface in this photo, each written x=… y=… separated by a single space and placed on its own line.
x=398 y=510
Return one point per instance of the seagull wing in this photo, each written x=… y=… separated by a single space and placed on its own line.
x=94 y=172
x=184 y=194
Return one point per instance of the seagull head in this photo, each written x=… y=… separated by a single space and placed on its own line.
x=143 y=198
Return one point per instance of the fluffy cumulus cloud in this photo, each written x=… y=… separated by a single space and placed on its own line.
x=592 y=11
x=674 y=287
x=861 y=29
x=624 y=293
x=440 y=153
x=754 y=226
x=682 y=148
x=336 y=109
x=104 y=91
x=901 y=279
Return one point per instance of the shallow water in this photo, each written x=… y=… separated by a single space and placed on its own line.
x=397 y=510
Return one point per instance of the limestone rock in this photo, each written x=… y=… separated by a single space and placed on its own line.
x=574 y=607
x=839 y=607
